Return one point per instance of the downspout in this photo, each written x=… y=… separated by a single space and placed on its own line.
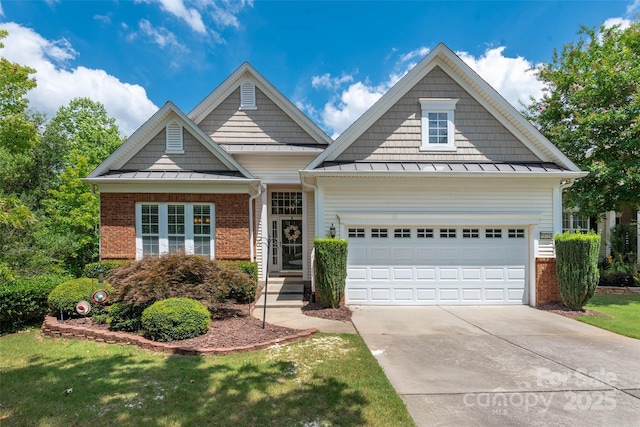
x=93 y=191
x=251 y=231
x=312 y=298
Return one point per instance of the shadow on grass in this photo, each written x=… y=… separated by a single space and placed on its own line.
x=142 y=389
x=610 y=300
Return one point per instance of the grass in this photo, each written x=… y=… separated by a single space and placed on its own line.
x=623 y=309
x=323 y=380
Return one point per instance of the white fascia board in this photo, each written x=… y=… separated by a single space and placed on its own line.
x=438 y=219
x=231 y=83
x=156 y=186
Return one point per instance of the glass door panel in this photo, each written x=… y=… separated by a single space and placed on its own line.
x=291 y=244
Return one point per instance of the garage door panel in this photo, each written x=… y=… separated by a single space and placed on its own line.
x=423 y=270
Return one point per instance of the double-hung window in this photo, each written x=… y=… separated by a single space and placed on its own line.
x=438 y=129
x=163 y=228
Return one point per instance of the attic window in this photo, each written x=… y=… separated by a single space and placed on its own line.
x=248 y=96
x=438 y=124
x=174 y=139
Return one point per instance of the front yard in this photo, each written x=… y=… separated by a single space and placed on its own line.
x=624 y=312
x=323 y=380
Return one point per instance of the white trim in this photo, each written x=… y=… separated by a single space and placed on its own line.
x=248 y=95
x=450 y=218
x=163 y=239
x=174 y=138
x=171 y=186
x=533 y=252
x=434 y=106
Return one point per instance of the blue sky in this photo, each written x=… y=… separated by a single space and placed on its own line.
x=331 y=58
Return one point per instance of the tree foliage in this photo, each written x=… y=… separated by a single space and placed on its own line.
x=591 y=110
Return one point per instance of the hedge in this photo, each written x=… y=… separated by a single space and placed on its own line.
x=67 y=295
x=331 y=270
x=577 y=267
x=92 y=270
x=24 y=300
x=175 y=319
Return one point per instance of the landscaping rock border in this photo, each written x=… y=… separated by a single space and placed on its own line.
x=617 y=290
x=53 y=328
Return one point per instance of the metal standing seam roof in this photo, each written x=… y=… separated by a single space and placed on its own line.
x=174 y=175
x=439 y=167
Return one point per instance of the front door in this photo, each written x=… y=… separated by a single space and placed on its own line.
x=291 y=244
x=286 y=228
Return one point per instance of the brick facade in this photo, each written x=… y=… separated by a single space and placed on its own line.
x=118 y=222
x=547 y=291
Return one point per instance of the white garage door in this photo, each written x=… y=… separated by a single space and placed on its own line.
x=391 y=265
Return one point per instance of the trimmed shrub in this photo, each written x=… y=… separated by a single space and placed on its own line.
x=24 y=300
x=175 y=319
x=577 y=267
x=244 y=292
x=126 y=317
x=177 y=276
x=331 y=270
x=92 y=270
x=67 y=295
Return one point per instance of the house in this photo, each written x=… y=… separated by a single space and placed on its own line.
x=446 y=194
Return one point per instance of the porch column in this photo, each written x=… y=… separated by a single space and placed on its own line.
x=609 y=223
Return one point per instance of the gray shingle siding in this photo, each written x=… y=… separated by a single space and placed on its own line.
x=195 y=158
x=396 y=136
x=268 y=124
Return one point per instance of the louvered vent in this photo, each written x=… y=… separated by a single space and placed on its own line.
x=174 y=137
x=248 y=96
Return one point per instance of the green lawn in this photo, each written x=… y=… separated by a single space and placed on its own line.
x=623 y=309
x=325 y=380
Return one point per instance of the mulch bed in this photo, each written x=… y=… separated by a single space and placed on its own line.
x=342 y=313
x=563 y=310
x=231 y=326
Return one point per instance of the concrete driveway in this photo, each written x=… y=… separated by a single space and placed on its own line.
x=515 y=365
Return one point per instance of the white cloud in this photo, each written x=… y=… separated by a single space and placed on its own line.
x=160 y=36
x=328 y=82
x=178 y=9
x=355 y=100
x=633 y=7
x=421 y=52
x=57 y=85
x=622 y=22
x=1 y=11
x=513 y=78
x=105 y=19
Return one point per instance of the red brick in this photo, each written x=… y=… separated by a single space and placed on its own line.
x=547 y=291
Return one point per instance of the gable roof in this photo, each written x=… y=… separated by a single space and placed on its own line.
x=472 y=83
x=149 y=129
x=233 y=82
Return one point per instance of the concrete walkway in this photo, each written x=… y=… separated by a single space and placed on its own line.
x=506 y=366
x=284 y=302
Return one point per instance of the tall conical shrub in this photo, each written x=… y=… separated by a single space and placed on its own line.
x=577 y=267
x=331 y=270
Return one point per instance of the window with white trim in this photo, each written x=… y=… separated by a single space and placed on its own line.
x=402 y=233
x=447 y=233
x=163 y=228
x=248 y=96
x=470 y=233
x=516 y=233
x=574 y=222
x=438 y=124
x=425 y=233
x=174 y=139
x=493 y=233
x=356 y=233
x=379 y=233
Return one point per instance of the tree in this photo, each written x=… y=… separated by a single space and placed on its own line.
x=591 y=110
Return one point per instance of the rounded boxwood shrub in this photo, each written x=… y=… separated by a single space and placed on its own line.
x=175 y=319
x=67 y=295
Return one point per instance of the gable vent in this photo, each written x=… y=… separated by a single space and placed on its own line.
x=174 y=138
x=248 y=96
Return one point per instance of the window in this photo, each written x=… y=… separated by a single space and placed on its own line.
x=516 y=233
x=574 y=222
x=379 y=233
x=356 y=232
x=248 y=96
x=470 y=233
x=493 y=233
x=174 y=141
x=447 y=233
x=425 y=233
x=172 y=227
x=402 y=233
x=438 y=130
x=286 y=203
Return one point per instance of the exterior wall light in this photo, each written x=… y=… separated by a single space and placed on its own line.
x=332 y=231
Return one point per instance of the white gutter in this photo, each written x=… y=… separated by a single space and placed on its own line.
x=251 y=232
